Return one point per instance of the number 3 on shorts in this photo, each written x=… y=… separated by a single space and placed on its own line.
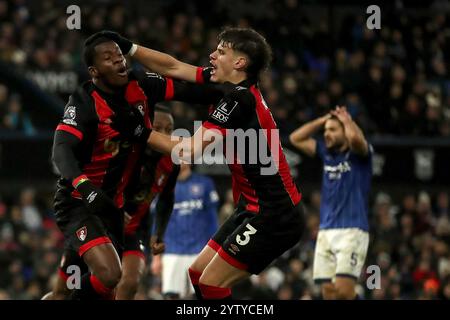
x=246 y=235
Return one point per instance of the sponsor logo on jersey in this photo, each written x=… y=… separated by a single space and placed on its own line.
x=226 y=108
x=223 y=111
x=186 y=207
x=335 y=172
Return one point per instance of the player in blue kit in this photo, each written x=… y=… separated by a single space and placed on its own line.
x=343 y=237
x=193 y=222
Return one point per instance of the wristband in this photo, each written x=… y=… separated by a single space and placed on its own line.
x=79 y=180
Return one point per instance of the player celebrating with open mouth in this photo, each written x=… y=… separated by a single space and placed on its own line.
x=267 y=220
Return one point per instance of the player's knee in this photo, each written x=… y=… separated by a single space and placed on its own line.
x=198 y=266
x=109 y=276
x=209 y=279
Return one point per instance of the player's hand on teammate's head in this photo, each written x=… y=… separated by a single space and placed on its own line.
x=130 y=124
x=123 y=43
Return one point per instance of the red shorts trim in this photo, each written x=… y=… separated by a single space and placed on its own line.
x=224 y=255
x=89 y=245
x=138 y=253
x=213 y=245
x=235 y=263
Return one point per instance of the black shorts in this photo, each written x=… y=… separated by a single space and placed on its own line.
x=83 y=230
x=251 y=241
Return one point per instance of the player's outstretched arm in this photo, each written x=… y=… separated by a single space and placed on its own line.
x=156 y=61
x=165 y=64
x=302 y=137
x=353 y=133
x=185 y=149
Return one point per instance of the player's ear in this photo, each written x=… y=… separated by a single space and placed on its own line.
x=241 y=62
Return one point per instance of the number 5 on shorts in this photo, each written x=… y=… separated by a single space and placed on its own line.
x=246 y=235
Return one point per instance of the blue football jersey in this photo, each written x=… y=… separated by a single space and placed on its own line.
x=346 y=184
x=194 y=217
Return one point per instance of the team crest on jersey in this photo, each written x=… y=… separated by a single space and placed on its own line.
x=196 y=190
x=82 y=233
x=141 y=108
x=70 y=115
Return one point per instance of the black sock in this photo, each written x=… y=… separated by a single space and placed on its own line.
x=198 y=293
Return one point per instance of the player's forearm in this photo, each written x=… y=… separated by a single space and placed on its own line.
x=307 y=130
x=63 y=156
x=164 y=209
x=354 y=135
x=177 y=147
x=165 y=64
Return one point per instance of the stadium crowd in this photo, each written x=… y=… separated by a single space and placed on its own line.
x=393 y=81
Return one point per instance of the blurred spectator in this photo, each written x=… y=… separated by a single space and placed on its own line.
x=31 y=216
x=14 y=119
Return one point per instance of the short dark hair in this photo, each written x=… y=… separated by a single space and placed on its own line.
x=89 y=48
x=162 y=109
x=253 y=44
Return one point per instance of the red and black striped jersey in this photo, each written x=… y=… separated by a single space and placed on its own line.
x=101 y=153
x=261 y=176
